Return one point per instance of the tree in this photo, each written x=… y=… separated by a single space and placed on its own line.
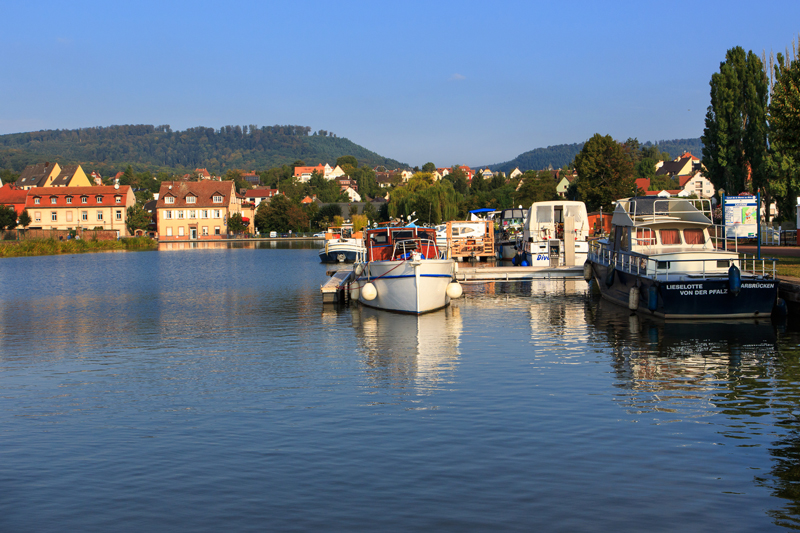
x=24 y=219
x=536 y=187
x=428 y=167
x=137 y=218
x=735 y=134
x=605 y=172
x=236 y=224
x=8 y=217
x=348 y=160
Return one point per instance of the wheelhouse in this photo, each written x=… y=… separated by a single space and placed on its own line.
x=397 y=244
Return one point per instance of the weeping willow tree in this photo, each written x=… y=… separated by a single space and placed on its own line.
x=433 y=203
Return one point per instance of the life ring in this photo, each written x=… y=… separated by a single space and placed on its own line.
x=341 y=258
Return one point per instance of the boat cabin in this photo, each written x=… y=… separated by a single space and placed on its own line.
x=342 y=232
x=396 y=244
x=546 y=220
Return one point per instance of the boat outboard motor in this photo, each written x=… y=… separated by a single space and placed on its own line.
x=734 y=280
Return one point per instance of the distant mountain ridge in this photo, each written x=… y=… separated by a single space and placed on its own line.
x=155 y=148
x=560 y=155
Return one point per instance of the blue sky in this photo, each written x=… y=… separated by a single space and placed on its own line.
x=449 y=82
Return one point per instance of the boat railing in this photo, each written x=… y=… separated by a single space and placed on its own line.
x=666 y=207
x=403 y=248
x=674 y=269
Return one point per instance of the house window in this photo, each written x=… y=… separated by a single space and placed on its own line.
x=69 y=216
x=37 y=216
x=54 y=216
x=216 y=230
x=167 y=215
x=217 y=199
x=191 y=199
x=53 y=200
x=99 y=216
x=169 y=232
x=85 y=215
x=169 y=200
x=205 y=230
x=180 y=231
x=84 y=199
x=180 y=213
x=69 y=199
x=36 y=201
x=217 y=213
x=118 y=199
x=204 y=213
x=119 y=214
x=192 y=213
x=98 y=199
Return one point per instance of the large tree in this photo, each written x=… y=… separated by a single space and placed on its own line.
x=137 y=218
x=8 y=217
x=605 y=172
x=735 y=136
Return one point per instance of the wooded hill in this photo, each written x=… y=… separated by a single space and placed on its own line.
x=561 y=155
x=151 y=148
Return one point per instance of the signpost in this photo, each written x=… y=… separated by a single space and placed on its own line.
x=741 y=217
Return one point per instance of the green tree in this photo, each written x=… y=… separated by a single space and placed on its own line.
x=8 y=217
x=605 y=172
x=24 y=219
x=347 y=160
x=137 y=218
x=536 y=187
x=428 y=167
x=782 y=164
x=236 y=224
x=735 y=134
x=646 y=168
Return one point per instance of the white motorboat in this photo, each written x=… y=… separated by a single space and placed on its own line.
x=342 y=246
x=403 y=272
x=660 y=259
x=510 y=223
x=544 y=236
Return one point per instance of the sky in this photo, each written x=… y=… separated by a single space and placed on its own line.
x=465 y=82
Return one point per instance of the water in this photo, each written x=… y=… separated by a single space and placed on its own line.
x=210 y=390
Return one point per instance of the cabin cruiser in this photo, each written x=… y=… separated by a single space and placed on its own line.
x=548 y=227
x=342 y=245
x=509 y=225
x=660 y=259
x=403 y=272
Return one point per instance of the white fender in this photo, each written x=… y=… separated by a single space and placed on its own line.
x=633 y=299
x=369 y=292
x=587 y=271
x=454 y=290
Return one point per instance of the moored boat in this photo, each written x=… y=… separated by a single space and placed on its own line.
x=509 y=225
x=660 y=259
x=403 y=271
x=342 y=245
x=550 y=229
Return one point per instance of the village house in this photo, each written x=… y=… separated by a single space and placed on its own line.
x=67 y=208
x=256 y=196
x=195 y=210
x=564 y=182
x=71 y=176
x=14 y=197
x=40 y=175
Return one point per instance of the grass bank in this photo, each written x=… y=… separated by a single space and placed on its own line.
x=72 y=246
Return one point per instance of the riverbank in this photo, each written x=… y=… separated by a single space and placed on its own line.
x=36 y=247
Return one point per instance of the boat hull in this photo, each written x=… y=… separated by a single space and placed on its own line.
x=337 y=252
x=689 y=297
x=414 y=286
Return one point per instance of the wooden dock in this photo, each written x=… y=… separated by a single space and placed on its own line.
x=520 y=273
x=330 y=290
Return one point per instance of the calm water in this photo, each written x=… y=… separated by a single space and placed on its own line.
x=210 y=390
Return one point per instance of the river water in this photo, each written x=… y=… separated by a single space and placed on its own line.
x=211 y=390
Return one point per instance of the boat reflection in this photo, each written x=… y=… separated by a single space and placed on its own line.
x=400 y=349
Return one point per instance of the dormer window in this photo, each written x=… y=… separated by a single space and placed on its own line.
x=53 y=200
x=191 y=199
x=99 y=199
x=169 y=200
x=69 y=199
x=84 y=199
x=117 y=199
x=217 y=199
x=36 y=201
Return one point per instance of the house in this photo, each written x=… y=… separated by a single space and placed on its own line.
x=388 y=179
x=515 y=173
x=66 y=208
x=352 y=194
x=680 y=166
x=697 y=184
x=39 y=175
x=71 y=176
x=345 y=182
x=642 y=184
x=14 y=197
x=252 y=178
x=563 y=184
x=96 y=178
x=256 y=196
x=303 y=174
x=202 y=173
x=195 y=209
x=486 y=174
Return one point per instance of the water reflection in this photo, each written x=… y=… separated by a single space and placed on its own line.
x=402 y=350
x=739 y=376
x=239 y=244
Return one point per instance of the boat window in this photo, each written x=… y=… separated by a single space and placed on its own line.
x=670 y=236
x=694 y=236
x=624 y=243
x=404 y=234
x=575 y=212
x=544 y=213
x=645 y=237
x=379 y=238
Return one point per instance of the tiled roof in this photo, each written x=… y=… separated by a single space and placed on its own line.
x=204 y=191
x=107 y=193
x=36 y=175
x=65 y=176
